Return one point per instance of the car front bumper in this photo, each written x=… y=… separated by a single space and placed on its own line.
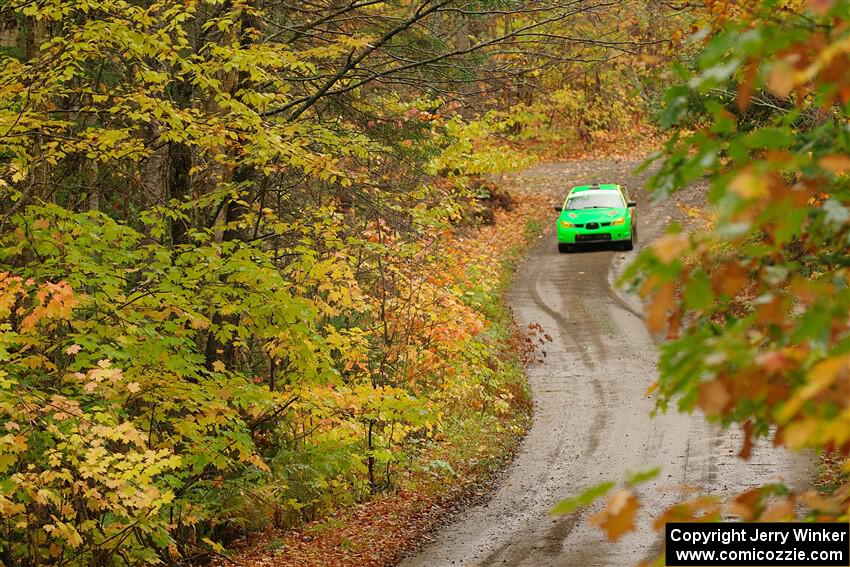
x=602 y=234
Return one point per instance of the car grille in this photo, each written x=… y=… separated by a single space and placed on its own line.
x=592 y=225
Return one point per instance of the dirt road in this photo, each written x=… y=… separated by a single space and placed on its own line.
x=592 y=418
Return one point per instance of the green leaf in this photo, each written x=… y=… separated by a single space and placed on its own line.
x=640 y=477
x=699 y=295
x=589 y=496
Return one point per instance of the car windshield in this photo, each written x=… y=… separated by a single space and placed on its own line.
x=595 y=200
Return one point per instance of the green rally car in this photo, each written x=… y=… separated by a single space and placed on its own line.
x=597 y=213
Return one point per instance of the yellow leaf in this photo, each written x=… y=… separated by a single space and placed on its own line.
x=749 y=185
x=820 y=377
x=259 y=463
x=670 y=246
x=218 y=366
x=800 y=433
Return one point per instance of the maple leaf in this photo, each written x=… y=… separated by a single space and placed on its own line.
x=658 y=307
x=747 y=446
x=780 y=80
x=729 y=279
x=749 y=185
x=670 y=246
x=780 y=511
x=617 y=518
x=713 y=397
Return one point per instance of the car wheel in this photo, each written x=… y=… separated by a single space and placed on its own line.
x=629 y=244
x=564 y=248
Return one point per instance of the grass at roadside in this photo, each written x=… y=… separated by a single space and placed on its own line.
x=478 y=432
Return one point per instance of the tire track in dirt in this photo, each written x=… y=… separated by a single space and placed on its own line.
x=566 y=340
x=591 y=413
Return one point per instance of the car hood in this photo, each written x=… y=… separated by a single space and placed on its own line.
x=592 y=215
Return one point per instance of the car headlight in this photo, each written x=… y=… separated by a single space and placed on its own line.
x=618 y=221
x=565 y=224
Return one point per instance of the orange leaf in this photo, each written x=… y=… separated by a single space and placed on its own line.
x=670 y=246
x=780 y=81
x=704 y=507
x=745 y=504
x=747 y=447
x=836 y=163
x=656 y=310
x=713 y=397
x=782 y=510
x=617 y=518
x=821 y=7
x=745 y=89
x=730 y=279
x=820 y=503
x=773 y=311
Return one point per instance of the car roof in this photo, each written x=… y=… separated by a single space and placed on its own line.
x=595 y=187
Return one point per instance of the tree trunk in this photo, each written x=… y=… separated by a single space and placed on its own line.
x=179 y=164
x=35 y=35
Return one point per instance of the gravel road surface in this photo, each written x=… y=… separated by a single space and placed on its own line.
x=591 y=414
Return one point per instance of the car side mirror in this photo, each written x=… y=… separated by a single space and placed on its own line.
x=633 y=203
x=558 y=208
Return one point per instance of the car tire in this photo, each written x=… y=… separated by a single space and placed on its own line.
x=564 y=248
x=630 y=243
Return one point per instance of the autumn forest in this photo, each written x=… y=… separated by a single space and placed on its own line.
x=254 y=257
